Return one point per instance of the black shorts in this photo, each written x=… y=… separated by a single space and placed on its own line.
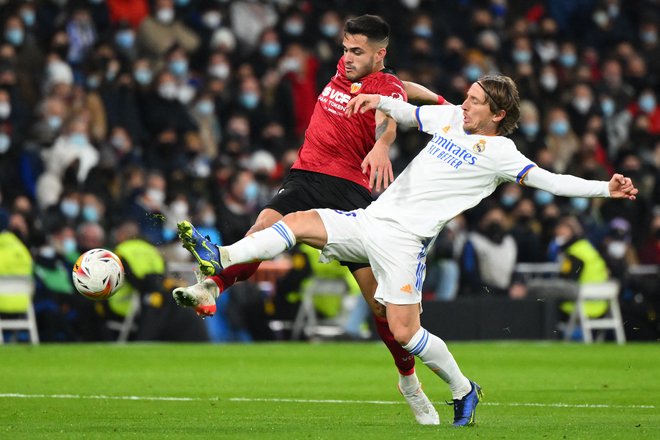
x=304 y=190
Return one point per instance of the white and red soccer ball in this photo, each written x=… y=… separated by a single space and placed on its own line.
x=97 y=274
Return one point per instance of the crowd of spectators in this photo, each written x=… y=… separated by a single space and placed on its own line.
x=156 y=111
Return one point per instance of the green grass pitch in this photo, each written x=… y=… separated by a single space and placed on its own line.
x=321 y=391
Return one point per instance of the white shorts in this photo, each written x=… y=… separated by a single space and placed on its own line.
x=397 y=257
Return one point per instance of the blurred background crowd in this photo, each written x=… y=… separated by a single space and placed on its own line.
x=119 y=118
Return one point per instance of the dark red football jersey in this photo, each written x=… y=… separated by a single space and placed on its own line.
x=337 y=145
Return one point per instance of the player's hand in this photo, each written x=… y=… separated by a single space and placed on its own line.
x=361 y=103
x=377 y=164
x=622 y=188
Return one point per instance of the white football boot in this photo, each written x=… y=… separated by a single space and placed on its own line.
x=200 y=296
x=421 y=407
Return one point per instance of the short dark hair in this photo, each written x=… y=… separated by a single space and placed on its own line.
x=372 y=26
x=502 y=94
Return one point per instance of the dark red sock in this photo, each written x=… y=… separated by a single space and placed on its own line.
x=404 y=361
x=230 y=276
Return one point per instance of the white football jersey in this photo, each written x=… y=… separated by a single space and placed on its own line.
x=453 y=173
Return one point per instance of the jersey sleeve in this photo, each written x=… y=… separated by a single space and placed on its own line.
x=513 y=166
x=393 y=88
x=431 y=118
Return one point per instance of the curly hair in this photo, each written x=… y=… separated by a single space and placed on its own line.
x=502 y=94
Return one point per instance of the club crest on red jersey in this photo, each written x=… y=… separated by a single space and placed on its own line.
x=355 y=87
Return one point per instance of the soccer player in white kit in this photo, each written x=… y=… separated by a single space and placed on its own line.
x=464 y=162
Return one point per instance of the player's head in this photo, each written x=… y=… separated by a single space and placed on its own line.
x=492 y=106
x=365 y=45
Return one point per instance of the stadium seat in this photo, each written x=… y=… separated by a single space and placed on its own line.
x=606 y=291
x=23 y=317
x=307 y=323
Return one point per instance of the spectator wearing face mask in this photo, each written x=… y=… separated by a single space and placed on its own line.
x=161 y=30
x=238 y=207
x=489 y=256
x=298 y=87
x=529 y=135
x=167 y=122
x=646 y=108
x=581 y=108
x=147 y=208
x=560 y=140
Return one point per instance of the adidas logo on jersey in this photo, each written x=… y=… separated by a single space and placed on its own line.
x=407 y=288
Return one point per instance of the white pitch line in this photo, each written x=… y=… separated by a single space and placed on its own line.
x=285 y=400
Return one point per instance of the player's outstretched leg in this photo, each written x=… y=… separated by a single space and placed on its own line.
x=201 y=296
x=205 y=252
x=465 y=407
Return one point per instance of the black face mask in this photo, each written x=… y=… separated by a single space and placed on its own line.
x=495 y=232
x=656 y=233
x=524 y=219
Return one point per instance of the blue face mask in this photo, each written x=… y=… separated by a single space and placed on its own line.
x=70 y=208
x=508 y=200
x=54 y=122
x=472 y=72
x=530 y=129
x=28 y=17
x=648 y=37
x=559 y=128
x=251 y=192
x=271 y=49
x=568 y=59
x=69 y=246
x=205 y=107
x=647 y=103
x=422 y=31
x=522 y=56
x=143 y=76
x=249 y=100
x=294 y=28
x=182 y=2
x=329 y=30
x=178 y=67
x=14 y=36
x=607 y=106
x=542 y=198
x=125 y=39
x=78 y=139
x=580 y=204
x=93 y=82
x=90 y=213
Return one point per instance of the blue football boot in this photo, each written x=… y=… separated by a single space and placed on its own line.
x=465 y=408
x=205 y=252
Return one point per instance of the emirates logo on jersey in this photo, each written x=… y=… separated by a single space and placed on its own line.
x=480 y=146
x=355 y=87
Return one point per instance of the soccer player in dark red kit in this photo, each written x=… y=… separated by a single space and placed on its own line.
x=339 y=163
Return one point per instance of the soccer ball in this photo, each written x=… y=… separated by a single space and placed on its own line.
x=98 y=274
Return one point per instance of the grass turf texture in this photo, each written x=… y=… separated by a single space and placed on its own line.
x=533 y=390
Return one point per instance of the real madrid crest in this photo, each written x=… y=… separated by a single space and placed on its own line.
x=355 y=87
x=480 y=146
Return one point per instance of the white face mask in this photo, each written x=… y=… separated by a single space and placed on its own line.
x=165 y=15
x=167 y=90
x=219 y=70
x=212 y=19
x=156 y=195
x=5 y=110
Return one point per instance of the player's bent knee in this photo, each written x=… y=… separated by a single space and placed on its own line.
x=402 y=334
x=308 y=227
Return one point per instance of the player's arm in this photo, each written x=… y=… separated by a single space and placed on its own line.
x=377 y=163
x=619 y=186
x=422 y=95
x=402 y=112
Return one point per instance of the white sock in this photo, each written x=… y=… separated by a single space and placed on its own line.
x=408 y=384
x=261 y=245
x=434 y=353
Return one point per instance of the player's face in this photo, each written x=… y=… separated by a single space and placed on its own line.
x=477 y=117
x=361 y=57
